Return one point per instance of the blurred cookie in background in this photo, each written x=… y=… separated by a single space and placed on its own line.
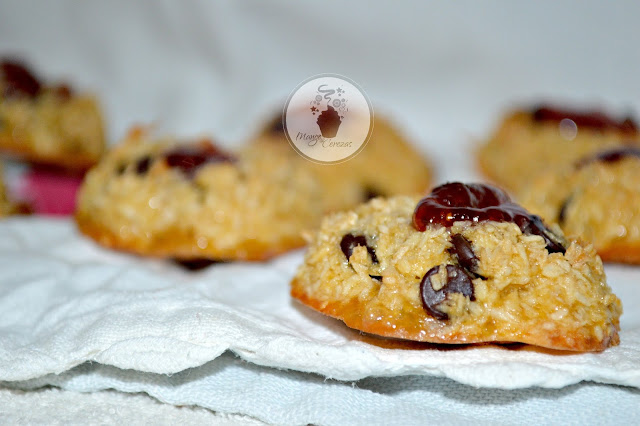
x=55 y=132
x=189 y=200
x=547 y=137
x=47 y=124
x=597 y=199
x=387 y=165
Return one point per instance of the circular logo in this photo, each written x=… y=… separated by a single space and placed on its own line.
x=328 y=119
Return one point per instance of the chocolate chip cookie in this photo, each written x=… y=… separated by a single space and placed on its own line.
x=388 y=165
x=546 y=138
x=47 y=124
x=597 y=199
x=193 y=200
x=463 y=265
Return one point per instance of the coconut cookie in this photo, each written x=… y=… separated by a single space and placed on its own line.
x=47 y=124
x=6 y=207
x=388 y=165
x=195 y=201
x=546 y=138
x=464 y=265
x=596 y=199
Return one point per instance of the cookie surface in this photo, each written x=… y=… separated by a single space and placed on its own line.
x=45 y=124
x=596 y=199
x=193 y=201
x=388 y=165
x=468 y=281
x=545 y=138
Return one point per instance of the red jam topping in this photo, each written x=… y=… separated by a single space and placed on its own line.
x=18 y=80
x=477 y=203
x=190 y=158
x=591 y=119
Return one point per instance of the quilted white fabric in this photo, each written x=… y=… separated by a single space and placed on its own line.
x=65 y=301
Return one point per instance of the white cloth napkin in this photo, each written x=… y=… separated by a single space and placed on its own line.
x=53 y=406
x=230 y=385
x=79 y=317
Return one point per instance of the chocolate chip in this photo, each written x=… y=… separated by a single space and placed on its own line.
x=461 y=249
x=371 y=192
x=277 y=126
x=350 y=241
x=533 y=225
x=142 y=165
x=458 y=281
x=18 y=80
x=376 y=277
x=562 y=214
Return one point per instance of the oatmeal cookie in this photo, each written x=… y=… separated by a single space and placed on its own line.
x=194 y=201
x=47 y=124
x=6 y=207
x=546 y=138
x=466 y=265
x=596 y=199
x=388 y=165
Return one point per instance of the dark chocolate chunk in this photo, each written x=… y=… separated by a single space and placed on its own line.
x=142 y=165
x=533 y=225
x=376 y=277
x=350 y=241
x=371 y=192
x=277 y=126
x=477 y=203
x=562 y=214
x=461 y=248
x=18 y=80
x=458 y=281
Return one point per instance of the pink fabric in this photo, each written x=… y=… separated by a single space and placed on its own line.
x=50 y=192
